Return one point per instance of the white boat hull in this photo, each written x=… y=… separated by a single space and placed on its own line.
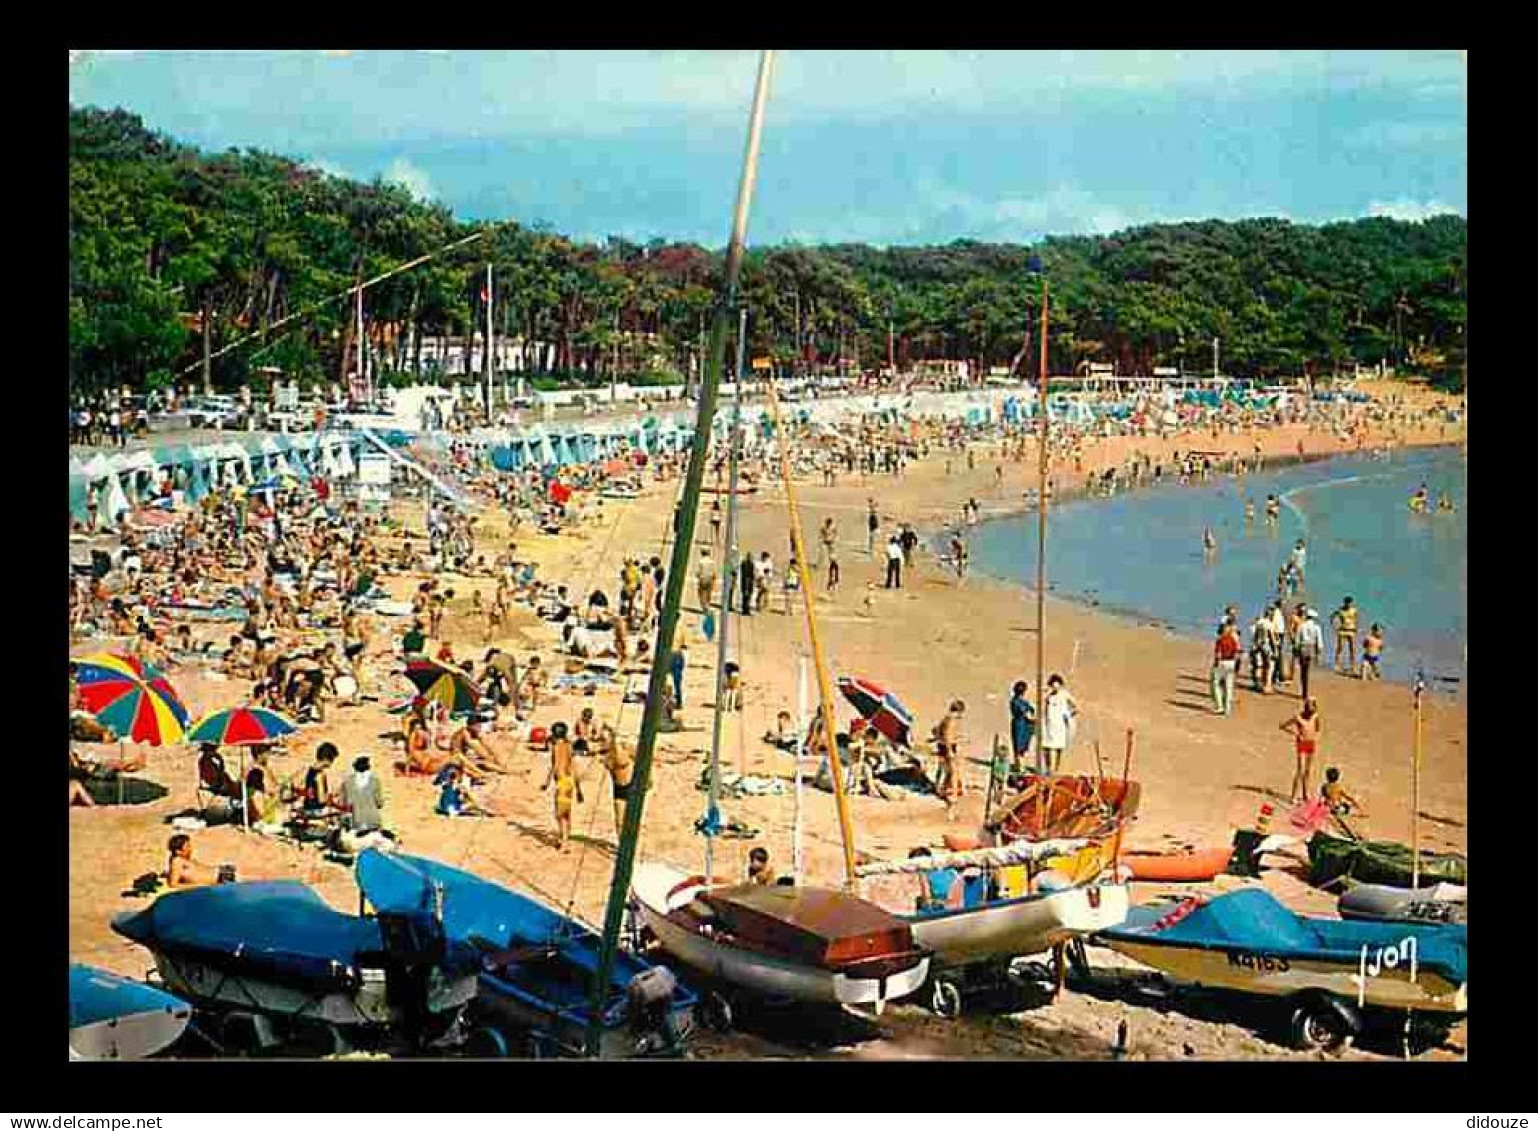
x=1014 y=927
x=657 y=890
x=133 y=1037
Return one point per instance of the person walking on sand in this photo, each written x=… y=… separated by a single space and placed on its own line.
x=563 y=773
x=947 y=735
x=619 y=760
x=1299 y=561
x=872 y=524
x=894 y=563
x=1305 y=727
x=832 y=567
x=705 y=580
x=910 y=542
x=1225 y=666
x=1345 y=634
x=677 y=662
x=745 y=579
x=828 y=536
x=1308 y=649
x=1060 y=713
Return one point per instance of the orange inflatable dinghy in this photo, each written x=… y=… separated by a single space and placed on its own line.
x=1202 y=865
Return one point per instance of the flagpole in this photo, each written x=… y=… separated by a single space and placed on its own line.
x=1041 y=543
x=486 y=368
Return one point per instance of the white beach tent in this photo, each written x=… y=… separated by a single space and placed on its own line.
x=113 y=501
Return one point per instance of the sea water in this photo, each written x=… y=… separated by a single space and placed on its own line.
x=1140 y=553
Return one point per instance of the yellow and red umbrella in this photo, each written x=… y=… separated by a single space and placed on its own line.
x=438 y=683
x=132 y=698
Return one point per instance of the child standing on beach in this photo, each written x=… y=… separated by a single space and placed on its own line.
x=1372 y=653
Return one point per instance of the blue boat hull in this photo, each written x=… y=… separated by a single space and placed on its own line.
x=113 y=1018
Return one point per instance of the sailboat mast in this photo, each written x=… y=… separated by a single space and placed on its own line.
x=824 y=686
x=490 y=348
x=728 y=558
x=796 y=863
x=1041 y=539
x=624 y=864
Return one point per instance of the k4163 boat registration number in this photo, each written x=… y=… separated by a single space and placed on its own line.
x=1273 y=962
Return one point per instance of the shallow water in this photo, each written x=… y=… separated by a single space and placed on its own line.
x=1140 y=554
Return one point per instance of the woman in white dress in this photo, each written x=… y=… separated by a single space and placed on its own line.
x=1058 y=714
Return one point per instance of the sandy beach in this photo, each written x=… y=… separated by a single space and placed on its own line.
x=935 y=640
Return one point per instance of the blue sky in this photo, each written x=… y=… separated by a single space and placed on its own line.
x=884 y=147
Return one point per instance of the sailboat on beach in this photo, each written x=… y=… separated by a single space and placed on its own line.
x=786 y=941
x=804 y=943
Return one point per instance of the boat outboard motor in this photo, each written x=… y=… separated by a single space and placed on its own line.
x=415 y=948
x=649 y=996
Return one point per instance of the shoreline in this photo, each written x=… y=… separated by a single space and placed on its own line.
x=1135 y=617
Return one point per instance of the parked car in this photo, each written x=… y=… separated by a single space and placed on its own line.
x=217 y=412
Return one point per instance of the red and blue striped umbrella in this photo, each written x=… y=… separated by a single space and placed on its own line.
x=879 y=707
x=241 y=726
x=131 y=697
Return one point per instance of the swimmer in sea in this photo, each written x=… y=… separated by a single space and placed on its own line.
x=1445 y=502
x=1209 y=542
x=1249 y=512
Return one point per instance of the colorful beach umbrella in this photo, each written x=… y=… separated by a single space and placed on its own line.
x=450 y=687
x=131 y=697
x=241 y=726
x=879 y=707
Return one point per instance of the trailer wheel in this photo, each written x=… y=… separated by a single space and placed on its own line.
x=945 y=999
x=716 y=1011
x=1319 y=1025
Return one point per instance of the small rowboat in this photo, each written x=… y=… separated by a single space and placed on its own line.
x=1438 y=903
x=1069 y=807
x=1176 y=866
x=807 y=944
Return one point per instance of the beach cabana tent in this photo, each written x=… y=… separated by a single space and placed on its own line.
x=113 y=501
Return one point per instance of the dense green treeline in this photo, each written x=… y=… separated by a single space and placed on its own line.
x=167 y=243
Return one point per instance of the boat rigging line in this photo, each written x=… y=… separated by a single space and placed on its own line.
x=356 y=289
